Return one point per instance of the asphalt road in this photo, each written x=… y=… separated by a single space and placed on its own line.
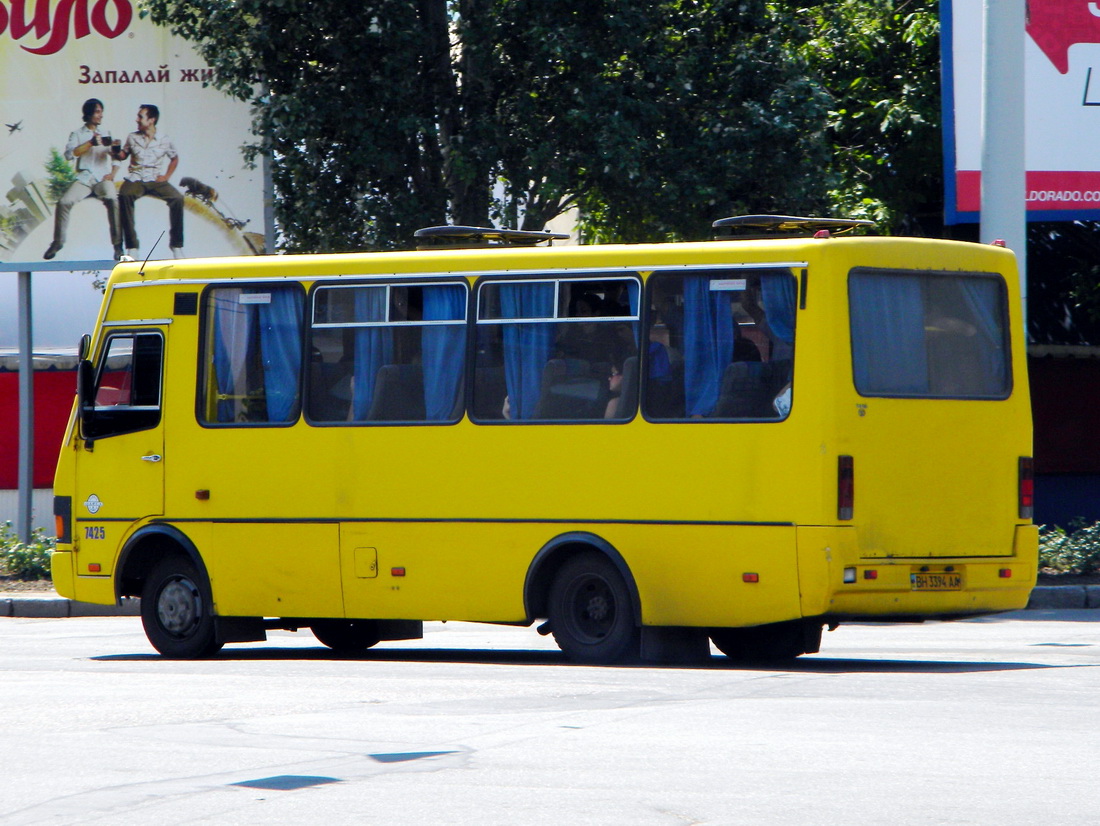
x=991 y=721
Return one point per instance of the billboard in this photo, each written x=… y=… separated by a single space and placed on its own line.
x=113 y=141
x=1061 y=97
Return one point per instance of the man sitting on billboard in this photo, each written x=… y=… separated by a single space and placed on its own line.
x=147 y=150
x=90 y=147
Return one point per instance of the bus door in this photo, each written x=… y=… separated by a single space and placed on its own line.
x=120 y=465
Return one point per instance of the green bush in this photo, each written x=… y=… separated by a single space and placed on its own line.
x=25 y=562
x=1076 y=551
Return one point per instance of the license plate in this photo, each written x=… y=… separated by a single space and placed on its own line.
x=938 y=581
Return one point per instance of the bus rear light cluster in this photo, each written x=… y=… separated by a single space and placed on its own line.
x=845 y=488
x=1005 y=573
x=1027 y=487
x=851 y=575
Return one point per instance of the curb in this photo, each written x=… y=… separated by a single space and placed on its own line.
x=1043 y=597
x=1064 y=596
x=54 y=607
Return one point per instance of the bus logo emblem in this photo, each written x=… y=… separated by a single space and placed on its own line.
x=93 y=504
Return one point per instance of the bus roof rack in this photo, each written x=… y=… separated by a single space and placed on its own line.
x=749 y=227
x=473 y=237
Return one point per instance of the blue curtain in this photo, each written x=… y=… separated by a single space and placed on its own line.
x=983 y=298
x=888 y=348
x=373 y=348
x=526 y=346
x=232 y=329
x=443 y=350
x=778 y=295
x=280 y=323
x=708 y=343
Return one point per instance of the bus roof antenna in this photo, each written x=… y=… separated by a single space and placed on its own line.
x=141 y=272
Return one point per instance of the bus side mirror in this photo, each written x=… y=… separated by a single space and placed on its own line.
x=85 y=390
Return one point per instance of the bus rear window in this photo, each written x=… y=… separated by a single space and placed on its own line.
x=929 y=334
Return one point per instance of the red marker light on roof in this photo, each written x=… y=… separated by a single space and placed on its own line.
x=1000 y=242
x=823 y=233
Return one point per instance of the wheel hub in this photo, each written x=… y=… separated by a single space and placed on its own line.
x=178 y=607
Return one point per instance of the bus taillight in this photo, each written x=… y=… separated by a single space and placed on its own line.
x=1027 y=487
x=845 y=488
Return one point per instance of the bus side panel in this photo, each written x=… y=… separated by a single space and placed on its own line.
x=438 y=570
x=822 y=554
x=695 y=575
x=271 y=569
x=685 y=575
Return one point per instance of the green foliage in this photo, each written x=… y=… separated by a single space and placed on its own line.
x=880 y=62
x=25 y=562
x=61 y=174
x=1076 y=551
x=382 y=116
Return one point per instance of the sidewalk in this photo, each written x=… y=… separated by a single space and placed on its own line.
x=47 y=604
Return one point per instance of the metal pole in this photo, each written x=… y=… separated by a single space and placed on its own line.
x=1004 y=179
x=268 y=185
x=26 y=410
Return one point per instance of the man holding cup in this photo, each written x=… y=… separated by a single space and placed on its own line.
x=90 y=147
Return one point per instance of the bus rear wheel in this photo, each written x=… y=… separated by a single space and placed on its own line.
x=778 y=641
x=176 y=611
x=347 y=636
x=590 y=611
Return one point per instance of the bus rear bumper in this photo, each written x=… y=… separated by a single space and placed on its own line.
x=921 y=588
x=947 y=588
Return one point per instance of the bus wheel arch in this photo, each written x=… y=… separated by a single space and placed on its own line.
x=584 y=586
x=144 y=551
x=161 y=565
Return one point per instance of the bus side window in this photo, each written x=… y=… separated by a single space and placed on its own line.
x=389 y=353
x=127 y=391
x=721 y=345
x=253 y=355
x=557 y=351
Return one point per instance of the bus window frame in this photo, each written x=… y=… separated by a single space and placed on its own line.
x=89 y=411
x=205 y=347
x=797 y=271
x=386 y=280
x=1006 y=343
x=555 y=277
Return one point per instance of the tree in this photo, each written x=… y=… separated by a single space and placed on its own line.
x=382 y=116
x=880 y=62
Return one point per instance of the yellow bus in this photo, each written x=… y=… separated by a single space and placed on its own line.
x=641 y=448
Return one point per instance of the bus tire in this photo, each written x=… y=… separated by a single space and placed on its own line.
x=778 y=641
x=590 y=611
x=177 y=612
x=347 y=636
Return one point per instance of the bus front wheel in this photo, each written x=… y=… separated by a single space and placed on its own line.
x=347 y=636
x=176 y=611
x=590 y=611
